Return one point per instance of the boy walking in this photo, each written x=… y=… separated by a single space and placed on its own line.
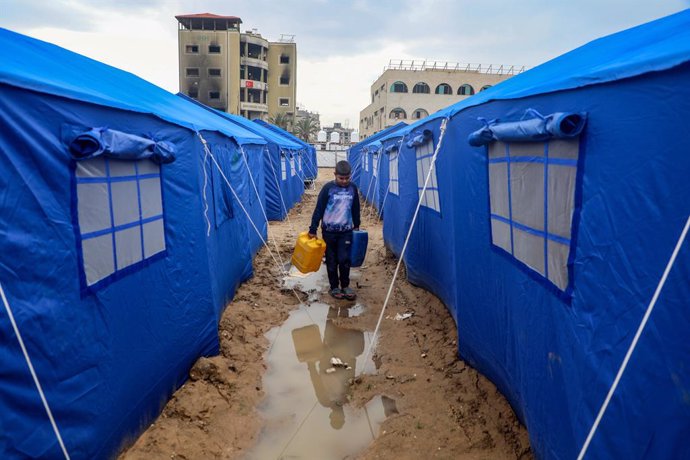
x=338 y=210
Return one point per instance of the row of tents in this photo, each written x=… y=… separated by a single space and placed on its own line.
x=544 y=213
x=126 y=212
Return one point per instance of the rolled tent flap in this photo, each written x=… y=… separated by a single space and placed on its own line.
x=91 y=143
x=419 y=138
x=391 y=149
x=558 y=125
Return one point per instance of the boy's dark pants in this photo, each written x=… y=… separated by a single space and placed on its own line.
x=338 y=246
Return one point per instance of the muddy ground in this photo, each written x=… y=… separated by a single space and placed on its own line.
x=445 y=409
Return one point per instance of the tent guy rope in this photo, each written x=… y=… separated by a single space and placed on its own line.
x=33 y=373
x=407 y=239
x=631 y=349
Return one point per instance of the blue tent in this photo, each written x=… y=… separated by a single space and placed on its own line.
x=310 y=167
x=555 y=202
x=282 y=185
x=387 y=154
x=122 y=242
x=354 y=153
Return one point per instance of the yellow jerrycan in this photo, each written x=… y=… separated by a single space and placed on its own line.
x=308 y=253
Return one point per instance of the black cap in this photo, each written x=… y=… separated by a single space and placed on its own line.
x=342 y=168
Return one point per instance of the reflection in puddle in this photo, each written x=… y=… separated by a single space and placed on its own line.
x=311 y=364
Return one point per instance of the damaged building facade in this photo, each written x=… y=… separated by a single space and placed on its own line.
x=234 y=71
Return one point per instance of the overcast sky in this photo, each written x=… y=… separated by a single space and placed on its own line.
x=342 y=46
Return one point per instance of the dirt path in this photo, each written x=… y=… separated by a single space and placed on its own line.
x=445 y=408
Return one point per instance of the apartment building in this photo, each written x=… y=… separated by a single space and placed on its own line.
x=411 y=90
x=234 y=71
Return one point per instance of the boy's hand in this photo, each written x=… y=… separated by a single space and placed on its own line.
x=312 y=236
x=356 y=228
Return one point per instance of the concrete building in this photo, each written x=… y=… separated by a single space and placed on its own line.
x=234 y=71
x=412 y=90
x=334 y=137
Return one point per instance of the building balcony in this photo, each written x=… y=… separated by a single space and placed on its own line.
x=254 y=107
x=254 y=62
x=254 y=40
x=255 y=84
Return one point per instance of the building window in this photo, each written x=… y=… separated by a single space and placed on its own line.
x=465 y=90
x=397 y=113
x=419 y=114
x=398 y=87
x=284 y=59
x=284 y=102
x=485 y=87
x=120 y=215
x=532 y=199
x=191 y=49
x=193 y=92
x=192 y=72
x=444 y=88
x=285 y=80
x=214 y=94
x=425 y=153
x=214 y=72
x=394 y=183
x=421 y=88
x=213 y=49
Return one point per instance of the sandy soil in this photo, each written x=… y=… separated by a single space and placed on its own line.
x=446 y=409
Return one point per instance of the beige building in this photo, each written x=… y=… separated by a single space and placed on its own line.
x=411 y=90
x=234 y=71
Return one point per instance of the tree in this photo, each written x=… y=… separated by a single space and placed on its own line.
x=306 y=128
x=282 y=120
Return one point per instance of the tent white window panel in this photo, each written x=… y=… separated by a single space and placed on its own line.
x=366 y=161
x=292 y=166
x=532 y=195
x=299 y=162
x=120 y=214
x=394 y=182
x=283 y=167
x=425 y=154
x=375 y=165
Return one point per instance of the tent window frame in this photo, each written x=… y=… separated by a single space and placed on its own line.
x=538 y=236
x=424 y=154
x=393 y=178
x=119 y=217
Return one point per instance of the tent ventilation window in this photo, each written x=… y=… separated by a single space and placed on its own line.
x=292 y=166
x=532 y=185
x=375 y=165
x=283 y=167
x=394 y=183
x=425 y=153
x=120 y=215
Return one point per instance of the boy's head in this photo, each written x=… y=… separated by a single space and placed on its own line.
x=342 y=173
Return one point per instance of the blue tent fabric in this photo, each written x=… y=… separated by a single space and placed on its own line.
x=554 y=350
x=281 y=190
x=311 y=167
x=354 y=153
x=113 y=317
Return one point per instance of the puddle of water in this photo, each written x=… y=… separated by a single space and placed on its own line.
x=306 y=412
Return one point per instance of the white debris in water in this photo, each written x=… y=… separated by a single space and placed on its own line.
x=337 y=362
x=399 y=317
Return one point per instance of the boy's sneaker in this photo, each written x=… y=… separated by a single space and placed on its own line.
x=336 y=293
x=349 y=293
